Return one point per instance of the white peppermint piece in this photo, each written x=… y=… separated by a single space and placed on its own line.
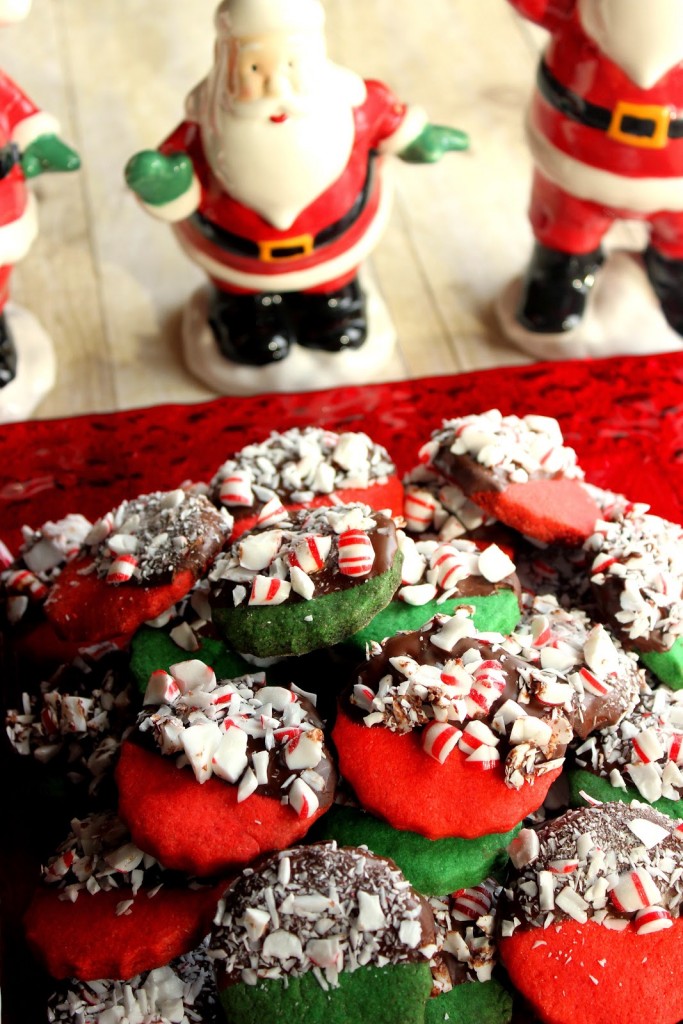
x=193 y=675
x=494 y=565
x=649 y=832
x=230 y=757
x=200 y=743
x=599 y=652
x=185 y=637
x=258 y=550
x=302 y=584
x=255 y=922
x=281 y=945
x=418 y=595
x=304 y=750
x=371 y=917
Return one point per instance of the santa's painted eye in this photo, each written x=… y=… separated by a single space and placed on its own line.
x=254 y=67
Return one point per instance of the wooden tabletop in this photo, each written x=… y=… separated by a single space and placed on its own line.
x=109 y=283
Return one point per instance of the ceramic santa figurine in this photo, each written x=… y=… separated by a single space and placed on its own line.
x=606 y=134
x=29 y=146
x=275 y=186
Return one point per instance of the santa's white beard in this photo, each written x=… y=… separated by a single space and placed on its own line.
x=280 y=169
x=644 y=37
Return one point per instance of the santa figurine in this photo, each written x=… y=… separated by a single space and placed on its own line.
x=605 y=129
x=275 y=186
x=29 y=146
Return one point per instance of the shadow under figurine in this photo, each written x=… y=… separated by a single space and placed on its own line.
x=29 y=146
x=274 y=185
x=605 y=129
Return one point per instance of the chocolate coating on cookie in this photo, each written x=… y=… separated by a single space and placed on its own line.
x=322 y=909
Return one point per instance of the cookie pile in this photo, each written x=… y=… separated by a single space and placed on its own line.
x=338 y=744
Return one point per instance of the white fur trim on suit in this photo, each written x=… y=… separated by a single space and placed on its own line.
x=410 y=128
x=17 y=237
x=640 y=195
x=31 y=128
x=299 y=280
x=252 y=17
x=180 y=208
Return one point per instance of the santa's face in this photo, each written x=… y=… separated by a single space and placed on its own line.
x=277 y=121
x=644 y=37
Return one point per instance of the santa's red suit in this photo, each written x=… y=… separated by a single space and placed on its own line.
x=321 y=251
x=604 y=147
x=20 y=123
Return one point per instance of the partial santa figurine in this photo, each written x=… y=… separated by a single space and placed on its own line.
x=605 y=129
x=29 y=145
x=275 y=184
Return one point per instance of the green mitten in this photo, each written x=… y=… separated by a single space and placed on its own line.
x=158 y=179
x=433 y=142
x=48 y=153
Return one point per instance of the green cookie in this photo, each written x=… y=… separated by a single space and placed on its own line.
x=396 y=994
x=433 y=866
x=300 y=626
x=473 y=1002
x=495 y=613
x=666 y=665
x=153 y=649
x=601 y=789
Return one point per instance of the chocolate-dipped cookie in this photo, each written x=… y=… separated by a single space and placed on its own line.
x=220 y=772
x=321 y=933
x=297 y=587
x=517 y=470
x=305 y=467
x=135 y=563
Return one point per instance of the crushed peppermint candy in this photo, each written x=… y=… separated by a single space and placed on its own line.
x=151 y=537
x=637 y=574
x=462 y=688
x=512 y=449
x=434 y=570
x=319 y=551
x=604 y=863
x=297 y=466
x=644 y=750
x=566 y=644
x=184 y=992
x=80 y=717
x=435 y=507
x=43 y=554
x=243 y=731
x=98 y=856
x=465 y=936
x=321 y=909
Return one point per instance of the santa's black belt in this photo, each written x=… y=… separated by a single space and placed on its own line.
x=635 y=124
x=287 y=248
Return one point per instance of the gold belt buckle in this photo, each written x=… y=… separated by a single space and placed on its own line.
x=268 y=250
x=661 y=116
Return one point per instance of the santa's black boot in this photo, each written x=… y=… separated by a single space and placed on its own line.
x=556 y=288
x=8 y=354
x=332 y=321
x=666 y=278
x=251 y=329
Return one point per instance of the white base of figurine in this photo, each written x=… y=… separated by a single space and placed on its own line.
x=302 y=369
x=36 y=366
x=623 y=317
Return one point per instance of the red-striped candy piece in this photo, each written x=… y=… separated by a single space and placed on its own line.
x=236 y=489
x=592 y=684
x=356 y=553
x=302 y=799
x=161 y=688
x=635 y=890
x=562 y=867
x=121 y=569
x=272 y=512
x=652 y=919
x=471 y=904
x=449 y=564
x=484 y=757
x=475 y=735
x=676 y=748
x=647 y=746
x=268 y=591
x=309 y=553
x=21 y=581
x=439 y=740
x=540 y=630
x=418 y=510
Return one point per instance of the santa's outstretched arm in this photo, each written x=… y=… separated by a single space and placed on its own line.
x=165 y=182
x=548 y=13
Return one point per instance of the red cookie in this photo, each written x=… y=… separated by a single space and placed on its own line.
x=446 y=734
x=258 y=774
x=591 y=925
x=137 y=917
x=137 y=562
x=517 y=470
x=305 y=468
